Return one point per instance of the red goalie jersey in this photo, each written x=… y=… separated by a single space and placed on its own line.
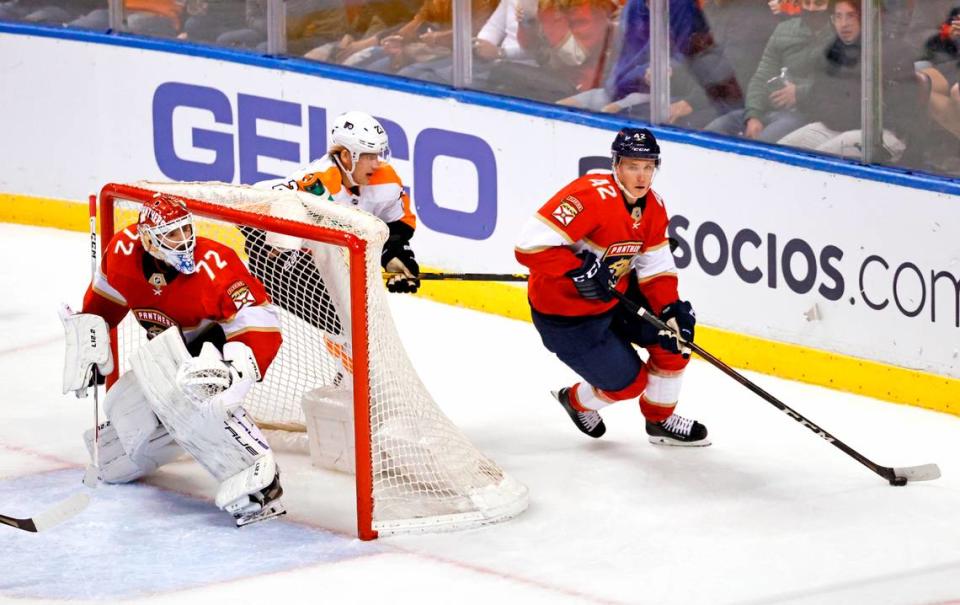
x=590 y=214
x=221 y=291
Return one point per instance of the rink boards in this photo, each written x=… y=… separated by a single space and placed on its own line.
x=807 y=268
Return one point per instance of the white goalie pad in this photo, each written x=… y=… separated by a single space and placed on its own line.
x=224 y=444
x=329 y=417
x=234 y=492
x=87 y=345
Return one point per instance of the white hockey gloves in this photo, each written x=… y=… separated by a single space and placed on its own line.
x=217 y=380
x=88 y=344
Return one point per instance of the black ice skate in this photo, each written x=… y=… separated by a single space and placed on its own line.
x=588 y=422
x=677 y=430
x=263 y=505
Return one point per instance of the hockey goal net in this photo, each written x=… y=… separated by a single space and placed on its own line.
x=415 y=470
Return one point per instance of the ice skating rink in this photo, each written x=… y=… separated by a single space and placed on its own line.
x=768 y=514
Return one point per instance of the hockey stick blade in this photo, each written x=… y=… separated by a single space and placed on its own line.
x=924 y=472
x=51 y=517
x=896 y=476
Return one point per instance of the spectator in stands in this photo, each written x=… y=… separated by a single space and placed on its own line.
x=690 y=43
x=422 y=47
x=147 y=17
x=834 y=97
x=782 y=79
x=785 y=8
x=365 y=26
x=741 y=28
x=52 y=12
x=944 y=101
x=926 y=20
x=942 y=47
x=309 y=23
x=568 y=41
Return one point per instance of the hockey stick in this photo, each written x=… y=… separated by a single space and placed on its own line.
x=53 y=516
x=92 y=474
x=895 y=475
x=514 y=277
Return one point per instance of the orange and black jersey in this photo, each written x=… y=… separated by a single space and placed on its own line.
x=383 y=197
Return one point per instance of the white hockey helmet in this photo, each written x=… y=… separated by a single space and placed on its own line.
x=167 y=232
x=359 y=133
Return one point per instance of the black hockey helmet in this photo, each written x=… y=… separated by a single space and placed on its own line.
x=635 y=143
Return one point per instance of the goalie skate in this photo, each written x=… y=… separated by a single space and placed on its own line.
x=257 y=506
x=269 y=511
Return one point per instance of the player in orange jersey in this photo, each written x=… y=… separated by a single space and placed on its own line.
x=212 y=334
x=355 y=172
x=600 y=233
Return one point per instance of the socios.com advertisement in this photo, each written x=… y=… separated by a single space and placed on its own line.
x=824 y=260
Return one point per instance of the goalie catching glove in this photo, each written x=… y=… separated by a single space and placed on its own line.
x=219 y=380
x=87 y=345
x=681 y=319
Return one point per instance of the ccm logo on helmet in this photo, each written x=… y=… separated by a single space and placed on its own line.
x=226 y=128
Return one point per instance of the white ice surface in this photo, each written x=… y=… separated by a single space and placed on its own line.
x=768 y=514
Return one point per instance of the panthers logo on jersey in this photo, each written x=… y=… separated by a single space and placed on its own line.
x=153 y=321
x=618 y=257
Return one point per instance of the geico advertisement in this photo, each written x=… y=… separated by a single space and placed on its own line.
x=818 y=259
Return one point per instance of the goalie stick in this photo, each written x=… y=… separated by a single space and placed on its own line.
x=91 y=477
x=50 y=517
x=895 y=475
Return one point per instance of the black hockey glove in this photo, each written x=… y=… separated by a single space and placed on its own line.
x=405 y=264
x=681 y=319
x=593 y=279
x=397 y=257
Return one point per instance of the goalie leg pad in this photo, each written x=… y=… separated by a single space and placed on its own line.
x=118 y=467
x=133 y=443
x=224 y=444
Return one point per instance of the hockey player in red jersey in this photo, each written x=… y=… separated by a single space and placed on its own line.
x=212 y=334
x=600 y=233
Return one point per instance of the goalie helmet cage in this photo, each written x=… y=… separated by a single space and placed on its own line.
x=415 y=470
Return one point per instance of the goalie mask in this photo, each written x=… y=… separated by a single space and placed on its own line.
x=166 y=230
x=360 y=133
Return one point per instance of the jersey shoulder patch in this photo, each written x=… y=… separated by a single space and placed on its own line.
x=241 y=295
x=568 y=209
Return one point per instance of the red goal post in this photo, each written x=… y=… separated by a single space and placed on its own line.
x=415 y=471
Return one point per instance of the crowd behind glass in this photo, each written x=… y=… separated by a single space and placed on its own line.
x=788 y=72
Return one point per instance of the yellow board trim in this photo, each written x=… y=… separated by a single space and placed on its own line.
x=790 y=361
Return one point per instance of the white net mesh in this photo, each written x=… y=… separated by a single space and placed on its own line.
x=426 y=474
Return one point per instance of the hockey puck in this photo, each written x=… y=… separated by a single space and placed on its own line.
x=898 y=481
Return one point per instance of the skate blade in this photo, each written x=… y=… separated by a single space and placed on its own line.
x=674 y=443
x=274 y=509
